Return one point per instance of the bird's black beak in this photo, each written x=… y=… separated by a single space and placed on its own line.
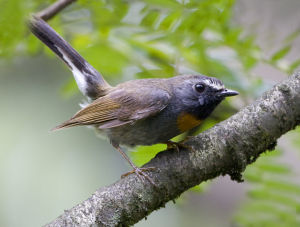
x=227 y=92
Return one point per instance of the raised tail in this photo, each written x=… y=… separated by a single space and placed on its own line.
x=90 y=82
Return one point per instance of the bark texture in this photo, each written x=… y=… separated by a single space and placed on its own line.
x=227 y=148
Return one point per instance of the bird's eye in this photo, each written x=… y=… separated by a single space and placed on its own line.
x=200 y=87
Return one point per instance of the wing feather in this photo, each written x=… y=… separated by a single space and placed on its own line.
x=121 y=106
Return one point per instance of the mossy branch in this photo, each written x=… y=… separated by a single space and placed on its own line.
x=227 y=148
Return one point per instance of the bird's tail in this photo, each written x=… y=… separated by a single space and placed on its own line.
x=66 y=124
x=90 y=82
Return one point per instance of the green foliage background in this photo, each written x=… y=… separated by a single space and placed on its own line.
x=140 y=39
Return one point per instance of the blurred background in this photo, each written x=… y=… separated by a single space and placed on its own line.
x=250 y=45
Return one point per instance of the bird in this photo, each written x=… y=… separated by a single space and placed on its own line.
x=136 y=112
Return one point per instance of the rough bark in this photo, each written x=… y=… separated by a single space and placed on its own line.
x=227 y=148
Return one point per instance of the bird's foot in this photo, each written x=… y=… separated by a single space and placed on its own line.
x=140 y=172
x=177 y=145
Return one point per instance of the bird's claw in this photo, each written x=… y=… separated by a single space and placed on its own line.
x=140 y=172
x=176 y=145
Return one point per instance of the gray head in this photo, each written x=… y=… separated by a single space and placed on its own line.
x=200 y=94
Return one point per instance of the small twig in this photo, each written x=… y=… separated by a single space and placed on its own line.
x=53 y=9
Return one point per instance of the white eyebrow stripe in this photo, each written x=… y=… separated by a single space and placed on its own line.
x=214 y=84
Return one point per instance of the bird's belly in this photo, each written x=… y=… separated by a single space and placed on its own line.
x=149 y=131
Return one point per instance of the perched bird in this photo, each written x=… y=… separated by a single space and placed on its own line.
x=136 y=112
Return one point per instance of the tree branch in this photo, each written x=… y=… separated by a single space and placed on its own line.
x=227 y=148
x=53 y=9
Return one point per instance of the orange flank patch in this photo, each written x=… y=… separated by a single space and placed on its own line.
x=187 y=121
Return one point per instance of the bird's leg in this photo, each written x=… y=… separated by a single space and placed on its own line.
x=140 y=172
x=176 y=145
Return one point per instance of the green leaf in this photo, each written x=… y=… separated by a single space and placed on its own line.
x=204 y=186
x=11 y=25
x=70 y=88
x=170 y=20
x=273 y=168
x=264 y=214
x=281 y=53
x=272 y=199
x=284 y=186
x=150 y=19
x=291 y=37
x=294 y=66
x=276 y=198
x=171 y=4
x=144 y=154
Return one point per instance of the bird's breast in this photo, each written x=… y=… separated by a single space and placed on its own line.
x=186 y=121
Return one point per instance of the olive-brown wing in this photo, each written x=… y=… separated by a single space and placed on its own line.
x=120 y=107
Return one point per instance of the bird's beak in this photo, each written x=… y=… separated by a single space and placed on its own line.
x=227 y=92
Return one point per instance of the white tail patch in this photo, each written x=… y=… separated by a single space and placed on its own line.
x=78 y=75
